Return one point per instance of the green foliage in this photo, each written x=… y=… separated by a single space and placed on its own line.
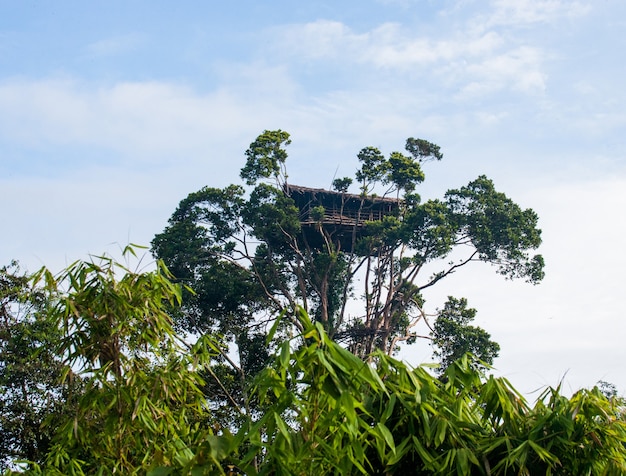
x=321 y=409
x=404 y=173
x=272 y=217
x=332 y=413
x=342 y=185
x=266 y=157
x=373 y=168
x=422 y=150
x=498 y=228
x=250 y=255
x=317 y=213
x=142 y=399
x=453 y=337
x=31 y=392
x=608 y=389
x=201 y=247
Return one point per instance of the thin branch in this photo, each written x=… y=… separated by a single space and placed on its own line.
x=226 y=392
x=452 y=269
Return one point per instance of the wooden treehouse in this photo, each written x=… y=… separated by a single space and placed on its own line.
x=342 y=216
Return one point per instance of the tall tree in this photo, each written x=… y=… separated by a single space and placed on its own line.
x=251 y=253
x=453 y=336
x=32 y=397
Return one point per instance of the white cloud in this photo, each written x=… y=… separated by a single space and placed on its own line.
x=524 y=12
x=115 y=45
x=320 y=39
x=143 y=119
x=474 y=62
x=519 y=70
x=389 y=45
x=490 y=50
x=398 y=3
x=152 y=122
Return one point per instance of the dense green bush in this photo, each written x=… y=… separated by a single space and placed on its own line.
x=325 y=411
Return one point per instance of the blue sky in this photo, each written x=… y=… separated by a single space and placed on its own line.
x=112 y=112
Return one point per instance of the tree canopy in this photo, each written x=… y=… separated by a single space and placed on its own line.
x=356 y=262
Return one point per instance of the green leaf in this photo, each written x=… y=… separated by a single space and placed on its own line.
x=386 y=434
x=160 y=471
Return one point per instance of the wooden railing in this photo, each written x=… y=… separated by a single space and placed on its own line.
x=343 y=217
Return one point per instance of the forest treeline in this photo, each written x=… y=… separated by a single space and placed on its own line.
x=262 y=340
x=96 y=380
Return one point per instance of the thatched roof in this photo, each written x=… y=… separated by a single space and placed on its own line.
x=314 y=192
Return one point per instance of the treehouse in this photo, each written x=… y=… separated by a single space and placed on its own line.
x=342 y=217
